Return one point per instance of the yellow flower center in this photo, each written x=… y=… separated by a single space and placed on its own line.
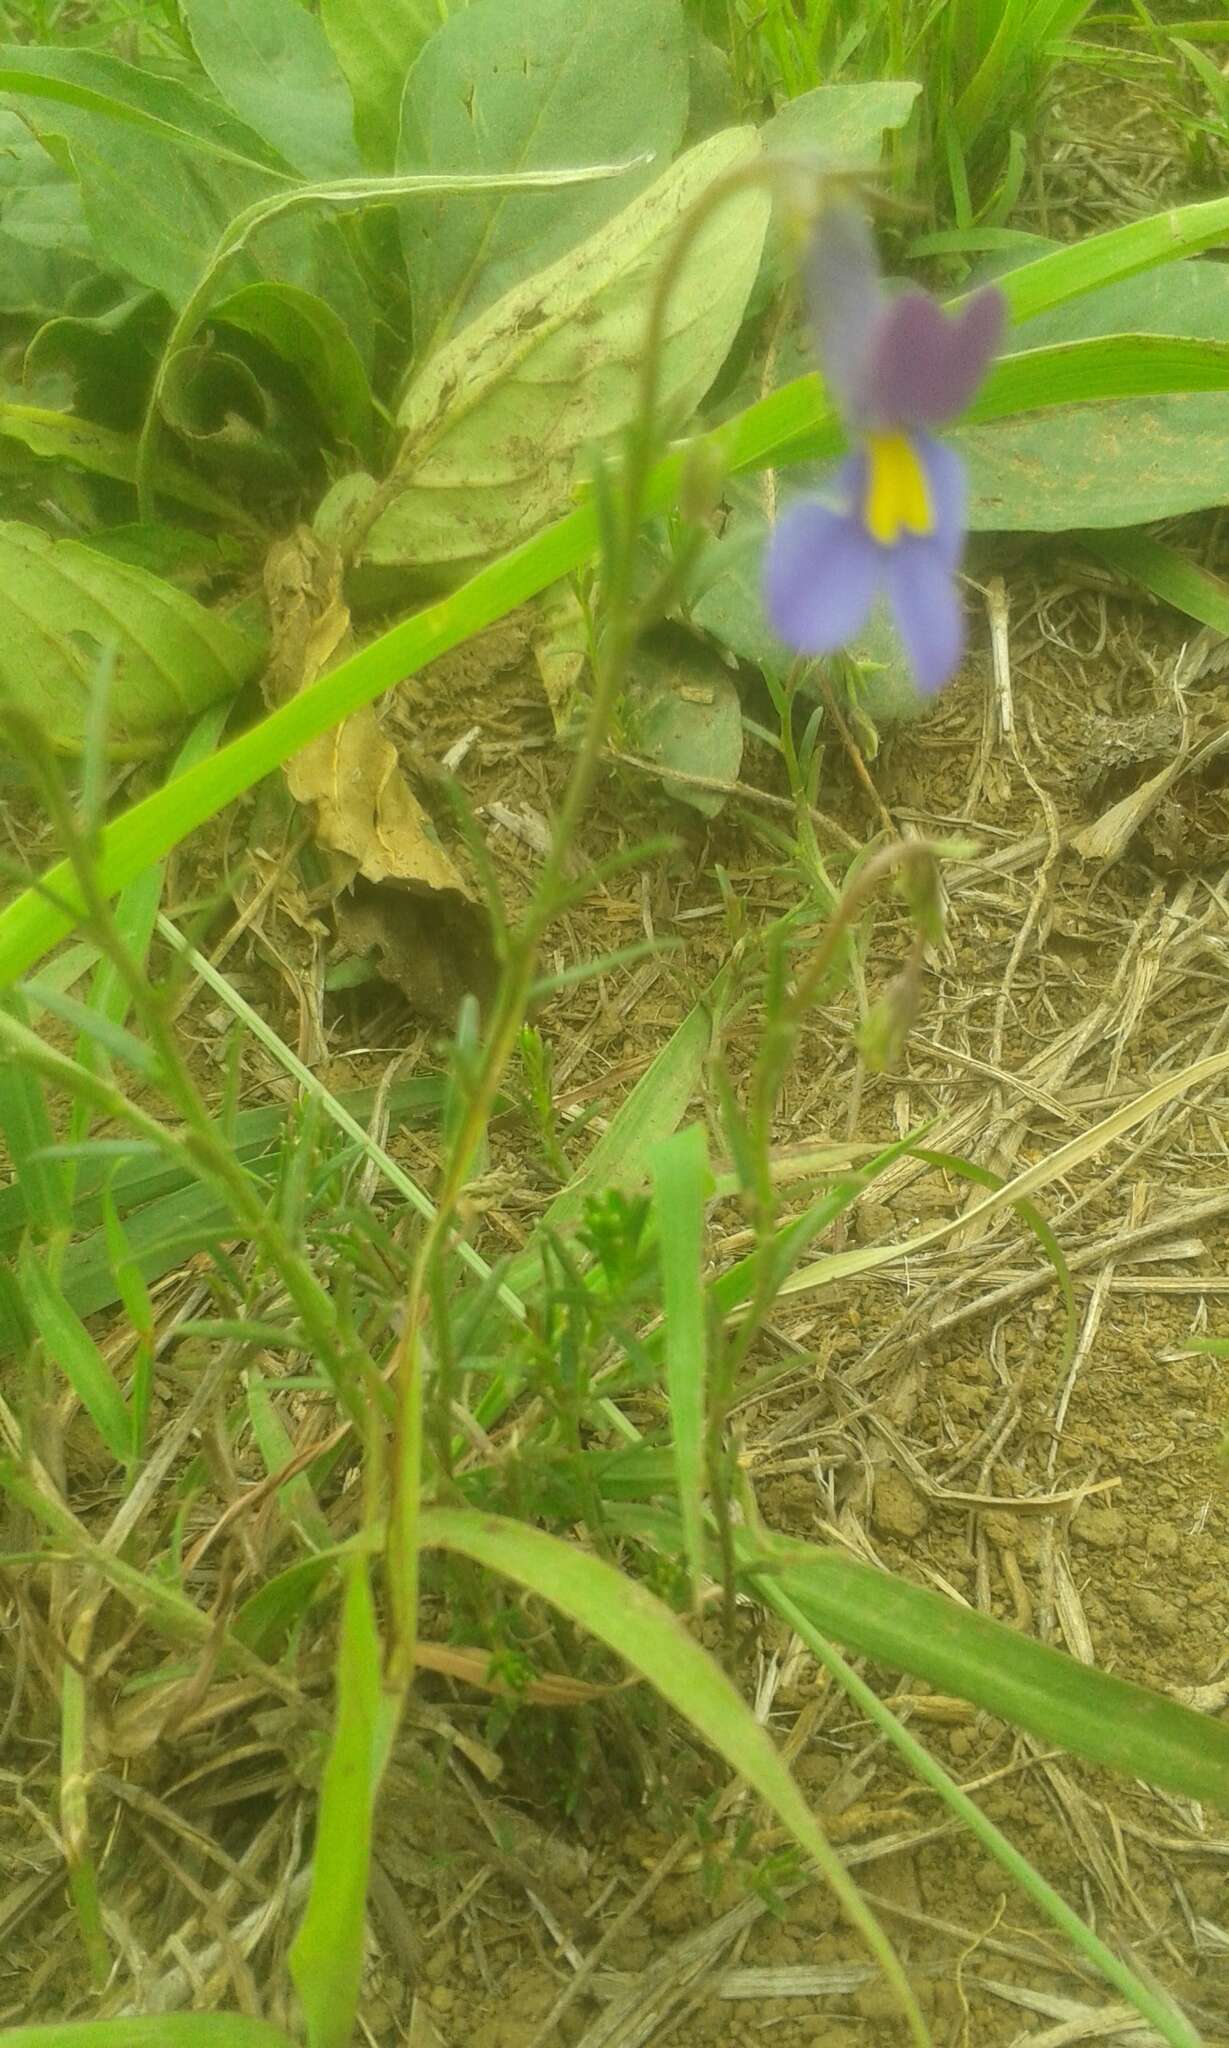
x=897 y=497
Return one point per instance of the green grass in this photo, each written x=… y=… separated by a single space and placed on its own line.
x=543 y=1447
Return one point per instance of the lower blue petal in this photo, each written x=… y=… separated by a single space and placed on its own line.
x=926 y=603
x=945 y=478
x=821 y=570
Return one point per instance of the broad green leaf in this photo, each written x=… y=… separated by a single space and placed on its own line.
x=843 y=126
x=58 y=437
x=375 y=43
x=157 y=213
x=82 y=90
x=271 y=62
x=65 y=605
x=641 y=1629
x=326 y=1956
x=548 y=82
x=109 y=356
x=1116 y=464
x=684 y=712
x=164 y=171
x=496 y=423
x=45 y=249
x=308 y=335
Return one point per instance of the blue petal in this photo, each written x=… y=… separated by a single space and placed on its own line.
x=945 y=476
x=821 y=569
x=925 y=600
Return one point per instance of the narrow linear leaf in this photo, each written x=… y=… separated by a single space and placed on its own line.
x=42 y=1186
x=1055 y=1697
x=681 y=1186
x=1166 y=573
x=1064 y=1159
x=326 y=1957
x=69 y=1344
x=168 y=2030
x=642 y=1630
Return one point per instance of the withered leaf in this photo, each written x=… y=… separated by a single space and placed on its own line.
x=397 y=893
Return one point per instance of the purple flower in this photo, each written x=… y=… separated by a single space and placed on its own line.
x=895 y=518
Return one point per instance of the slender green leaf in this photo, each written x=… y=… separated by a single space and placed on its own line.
x=271 y=62
x=963 y=1652
x=1154 y=2003
x=660 y=1098
x=168 y=2030
x=69 y=1344
x=326 y=1958
x=682 y=1183
x=1158 y=240
x=499 y=89
x=41 y=1186
x=642 y=1630
x=1167 y=574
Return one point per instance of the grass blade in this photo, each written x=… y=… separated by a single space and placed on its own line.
x=959 y=1650
x=1153 y=2004
x=169 y=2030
x=69 y=1344
x=681 y=1183
x=642 y=1630
x=1166 y=573
x=326 y=1959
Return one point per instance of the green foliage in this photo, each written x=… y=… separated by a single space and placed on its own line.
x=462 y=486
x=530 y=91
x=270 y=61
x=77 y=617
x=196 y=251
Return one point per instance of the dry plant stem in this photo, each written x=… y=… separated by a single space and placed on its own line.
x=854 y=751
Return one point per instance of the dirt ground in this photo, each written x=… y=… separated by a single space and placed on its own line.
x=926 y=1416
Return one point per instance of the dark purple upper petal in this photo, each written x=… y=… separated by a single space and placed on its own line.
x=845 y=299
x=926 y=364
